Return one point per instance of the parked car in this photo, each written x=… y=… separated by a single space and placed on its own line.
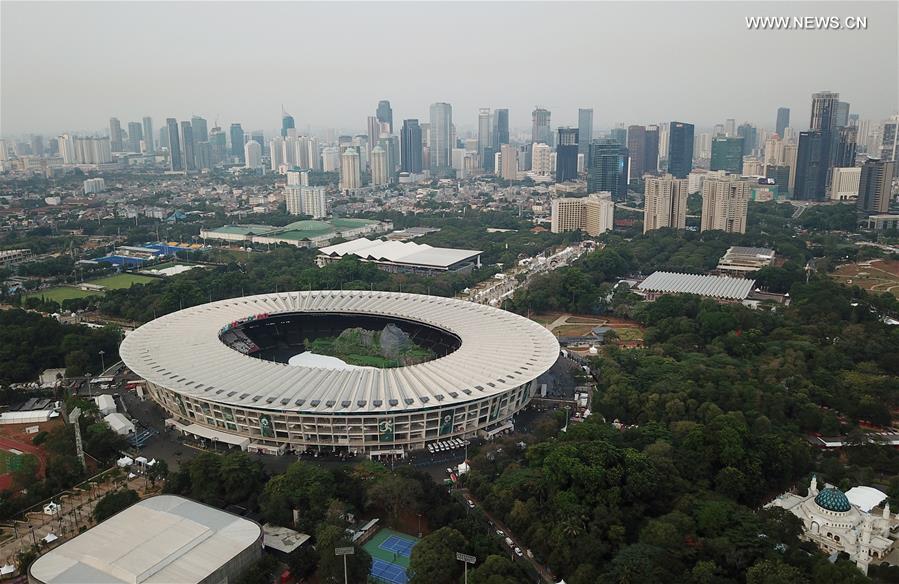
x=500 y=533
x=518 y=551
x=51 y=508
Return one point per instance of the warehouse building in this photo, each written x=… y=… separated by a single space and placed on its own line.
x=719 y=288
x=160 y=540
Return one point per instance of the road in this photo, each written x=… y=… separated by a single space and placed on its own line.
x=544 y=572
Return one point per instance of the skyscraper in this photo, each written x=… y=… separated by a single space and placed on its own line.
x=199 y=128
x=508 y=162
x=187 y=147
x=175 y=161
x=485 y=145
x=730 y=127
x=750 y=138
x=680 y=149
x=373 y=128
x=441 y=129
x=218 y=142
x=253 y=155
x=584 y=129
x=889 y=140
x=350 y=170
x=594 y=214
x=607 y=165
x=149 y=146
x=665 y=203
x=727 y=154
x=636 y=146
x=237 y=143
x=384 y=114
x=500 y=128
x=619 y=134
x=380 y=174
x=135 y=135
x=841 y=116
x=287 y=123
x=540 y=126
x=115 y=135
x=725 y=202
x=812 y=165
x=845 y=146
x=824 y=110
x=566 y=154
x=783 y=120
x=874 y=186
x=651 y=155
x=410 y=147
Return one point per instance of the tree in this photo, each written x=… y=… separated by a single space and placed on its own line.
x=114 y=502
x=260 y=572
x=158 y=471
x=774 y=572
x=434 y=558
x=394 y=493
x=330 y=567
x=494 y=570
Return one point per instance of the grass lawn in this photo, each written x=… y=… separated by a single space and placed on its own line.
x=60 y=293
x=122 y=281
x=10 y=462
x=629 y=334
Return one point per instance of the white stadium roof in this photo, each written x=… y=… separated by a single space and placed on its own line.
x=159 y=540
x=400 y=252
x=711 y=286
x=499 y=350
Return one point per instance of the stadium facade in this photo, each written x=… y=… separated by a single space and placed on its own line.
x=221 y=371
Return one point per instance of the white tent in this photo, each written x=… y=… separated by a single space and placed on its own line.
x=49 y=538
x=119 y=424
x=125 y=461
x=462 y=468
x=7 y=569
x=106 y=404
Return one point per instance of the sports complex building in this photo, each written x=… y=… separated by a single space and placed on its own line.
x=222 y=371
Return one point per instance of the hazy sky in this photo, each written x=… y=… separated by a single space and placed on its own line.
x=72 y=65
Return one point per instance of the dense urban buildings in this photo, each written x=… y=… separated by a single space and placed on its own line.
x=725 y=203
x=665 y=203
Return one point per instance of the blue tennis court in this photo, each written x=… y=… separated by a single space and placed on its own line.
x=388 y=572
x=398 y=545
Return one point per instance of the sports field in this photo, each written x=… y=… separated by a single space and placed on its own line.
x=878 y=276
x=122 y=281
x=390 y=552
x=11 y=462
x=60 y=293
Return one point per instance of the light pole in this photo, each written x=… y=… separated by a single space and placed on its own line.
x=465 y=559
x=419 y=526
x=102 y=362
x=345 y=551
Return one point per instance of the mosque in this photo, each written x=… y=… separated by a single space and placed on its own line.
x=845 y=522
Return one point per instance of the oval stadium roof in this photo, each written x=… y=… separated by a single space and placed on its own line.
x=499 y=351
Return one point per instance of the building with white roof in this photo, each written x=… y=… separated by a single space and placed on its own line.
x=119 y=424
x=222 y=372
x=160 y=540
x=402 y=256
x=739 y=261
x=720 y=288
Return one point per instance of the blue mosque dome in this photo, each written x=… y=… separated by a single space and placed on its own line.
x=833 y=499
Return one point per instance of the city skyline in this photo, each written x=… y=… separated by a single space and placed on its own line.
x=331 y=89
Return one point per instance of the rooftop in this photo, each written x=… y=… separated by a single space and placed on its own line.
x=711 y=286
x=409 y=253
x=159 y=540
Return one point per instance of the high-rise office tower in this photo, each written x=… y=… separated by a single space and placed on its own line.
x=199 y=128
x=651 y=156
x=384 y=114
x=187 y=147
x=540 y=126
x=607 y=168
x=566 y=154
x=237 y=143
x=824 y=110
x=175 y=161
x=584 y=129
x=485 y=144
x=730 y=127
x=783 y=120
x=287 y=123
x=845 y=146
x=164 y=138
x=149 y=146
x=37 y=145
x=791 y=152
x=373 y=127
x=380 y=174
x=350 y=170
x=812 y=165
x=219 y=143
x=500 y=128
x=135 y=136
x=276 y=153
x=619 y=134
x=875 y=186
x=509 y=161
x=203 y=155
x=115 y=135
x=719 y=131
x=665 y=203
x=841 y=115
x=441 y=129
x=750 y=138
x=727 y=154
x=410 y=147
x=889 y=140
x=680 y=149
x=252 y=153
x=636 y=146
x=725 y=202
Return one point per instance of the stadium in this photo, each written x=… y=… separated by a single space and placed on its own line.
x=243 y=372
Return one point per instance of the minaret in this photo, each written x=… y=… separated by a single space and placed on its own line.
x=886 y=511
x=863 y=558
x=813 y=487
